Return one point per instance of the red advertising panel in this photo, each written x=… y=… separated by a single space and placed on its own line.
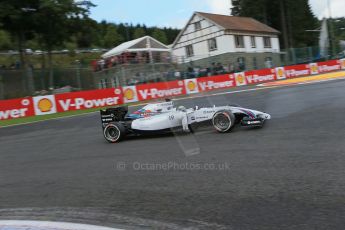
x=297 y=70
x=328 y=66
x=216 y=82
x=88 y=99
x=16 y=108
x=259 y=76
x=160 y=90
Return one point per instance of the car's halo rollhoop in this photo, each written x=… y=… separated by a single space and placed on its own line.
x=114 y=132
x=223 y=121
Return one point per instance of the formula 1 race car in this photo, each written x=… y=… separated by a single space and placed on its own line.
x=158 y=118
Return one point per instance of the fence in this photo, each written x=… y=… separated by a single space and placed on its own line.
x=293 y=56
x=20 y=83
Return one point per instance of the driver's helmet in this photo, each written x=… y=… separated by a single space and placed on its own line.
x=181 y=108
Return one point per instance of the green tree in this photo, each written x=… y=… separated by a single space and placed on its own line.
x=236 y=8
x=51 y=21
x=337 y=31
x=88 y=33
x=290 y=17
x=18 y=18
x=171 y=34
x=5 y=40
x=55 y=24
x=112 y=37
x=160 y=35
x=139 y=32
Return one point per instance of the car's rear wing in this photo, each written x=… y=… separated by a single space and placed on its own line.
x=113 y=114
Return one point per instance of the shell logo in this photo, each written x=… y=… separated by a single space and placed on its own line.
x=280 y=73
x=314 y=68
x=191 y=85
x=129 y=94
x=240 y=79
x=45 y=105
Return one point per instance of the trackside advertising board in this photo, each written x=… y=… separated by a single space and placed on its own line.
x=160 y=90
x=260 y=76
x=216 y=82
x=329 y=66
x=297 y=71
x=88 y=99
x=16 y=108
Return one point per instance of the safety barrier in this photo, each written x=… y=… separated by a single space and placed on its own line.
x=50 y=104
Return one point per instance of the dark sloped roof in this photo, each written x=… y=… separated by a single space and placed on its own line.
x=239 y=23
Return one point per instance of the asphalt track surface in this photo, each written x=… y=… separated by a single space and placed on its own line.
x=288 y=175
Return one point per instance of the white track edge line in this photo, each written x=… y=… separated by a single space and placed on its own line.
x=50 y=224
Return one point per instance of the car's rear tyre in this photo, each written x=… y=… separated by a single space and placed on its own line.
x=114 y=132
x=223 y=121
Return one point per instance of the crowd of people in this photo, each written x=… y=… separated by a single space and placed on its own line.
x=190 y=72
x=129 y=58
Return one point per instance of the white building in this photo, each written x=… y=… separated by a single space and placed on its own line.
x=227 y=39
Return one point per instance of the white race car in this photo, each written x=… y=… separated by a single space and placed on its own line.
x=158 y=118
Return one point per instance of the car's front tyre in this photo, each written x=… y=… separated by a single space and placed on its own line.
x=223 y=121
x=114 y=132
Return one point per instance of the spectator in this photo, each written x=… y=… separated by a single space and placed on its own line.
x=219 y=68
x=241 y=66
x=268 y=63
x=190 y=72
x=208 y=71
x=177 y=75
x=17 y=65
x=231 y=68
x=214 y=69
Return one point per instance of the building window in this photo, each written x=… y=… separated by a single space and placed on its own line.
x=212 y=44
x=189 y=51
x=267 y=42
x=252 y=41
x=239 y=42
x=241 y=61
x=197 y=26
